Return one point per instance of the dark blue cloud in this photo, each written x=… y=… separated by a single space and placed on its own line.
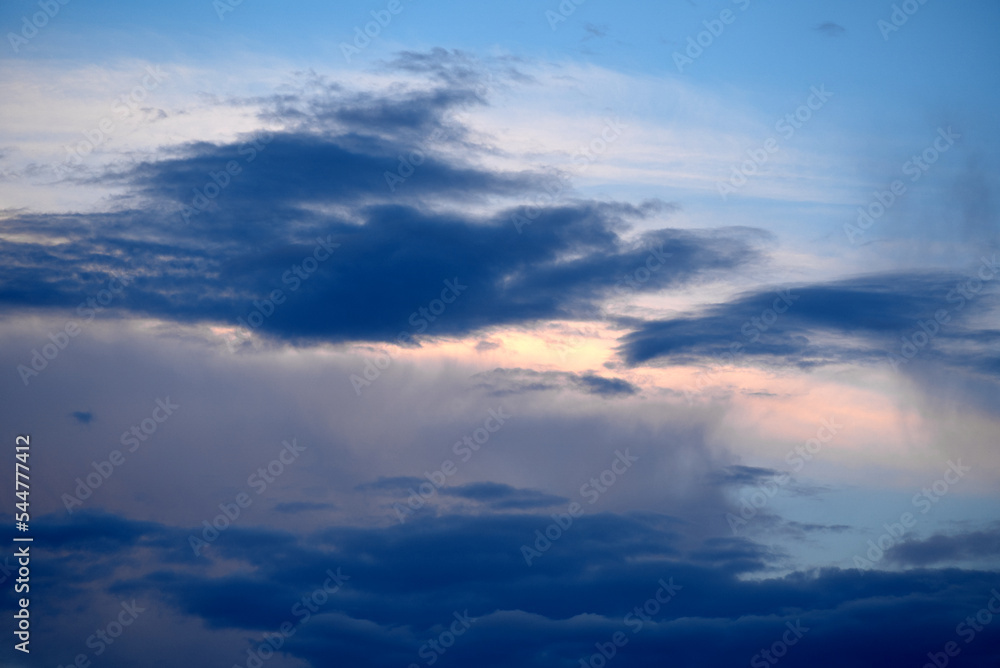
x=947 y=549
x=407 y=582
x=863 y=320
x=398 y=484
x=96 y=532
x=323 y=175
x=292 y=507
x=739 y=476
x=504 y=497
x=83 y=417
x=831 y=29
x=374 y=278
x=493 y=495
x=502 y=382
x=745 y=475
x=608 y=386
x=318 y=211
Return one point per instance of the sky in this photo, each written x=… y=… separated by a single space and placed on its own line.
x=535 y=334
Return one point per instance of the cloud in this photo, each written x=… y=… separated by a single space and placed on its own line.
x=857 y=320
x=459 y=69
x=82 y=417
x=292 y=507
x=504 y=497
x=745 y=475
x=399 y=484
x=595 y=31
x=405 y=584
x=318 y=181
x=608 y=387
x=739 y=476
x=818 y=528
x=501 y=382
x=831 y=29
x=359 y=244
x=355 y=294
x=947 y=549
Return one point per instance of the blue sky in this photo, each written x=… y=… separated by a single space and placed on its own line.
x=457 y=345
